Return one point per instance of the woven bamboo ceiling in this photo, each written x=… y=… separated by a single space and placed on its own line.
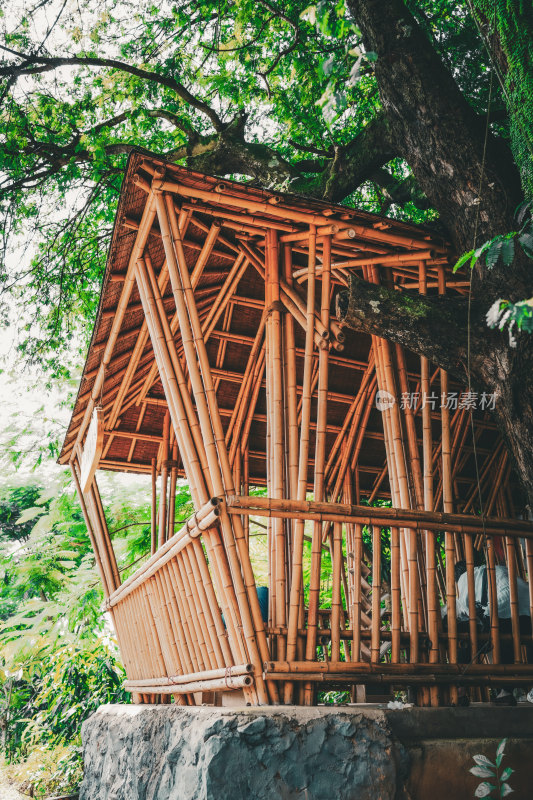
x=226 y=222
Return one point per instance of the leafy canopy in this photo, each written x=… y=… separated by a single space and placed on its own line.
x=283 y=95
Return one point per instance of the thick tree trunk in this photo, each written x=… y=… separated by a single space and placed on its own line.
x=476 y=190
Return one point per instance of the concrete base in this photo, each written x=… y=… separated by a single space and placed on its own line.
x=293 y=753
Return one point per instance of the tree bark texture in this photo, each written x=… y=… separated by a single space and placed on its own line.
x=476 y=189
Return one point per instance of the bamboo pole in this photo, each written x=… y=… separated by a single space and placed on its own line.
x=164 y=479
x=102 y=537
x=447 y=501
x=243 y=202
x=193 y=528
x=292 y=300
x=167 y=363
x=395 y=594
x=246 y=422
x=194 y=347
x=336 y=599
x=275 y=412
x=376 y=593
x=196 y=274
x=291 y=386
x=529 y=561
x=172 y=493
x=493 y=601
x=213 y=604
x=90 y=530
x=513 y=599
x=224 y=296
x=246 y=385
x=320 y=456
x=383 y=516
x=217 y=685
x=298 y=531
x=189 y=426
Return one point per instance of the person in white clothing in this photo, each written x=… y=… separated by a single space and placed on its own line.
x=482 y=594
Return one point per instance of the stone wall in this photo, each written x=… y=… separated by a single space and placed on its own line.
x=177 y=753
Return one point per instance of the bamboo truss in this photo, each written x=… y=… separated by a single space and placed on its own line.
x=217 y=358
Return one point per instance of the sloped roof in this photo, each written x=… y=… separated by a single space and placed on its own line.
x=244 y=212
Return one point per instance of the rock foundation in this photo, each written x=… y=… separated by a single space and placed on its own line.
x=294 y=753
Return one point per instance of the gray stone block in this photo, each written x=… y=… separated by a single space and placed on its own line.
x=176 y=753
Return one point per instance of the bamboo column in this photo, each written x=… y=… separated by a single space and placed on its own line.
x=216 y=452
x=447 y=503
x=164 y=479
x=193 y=461
x=430 y=541
x=303 y=458
x=153 y=528
x=319 y=484
x=275 y=417
x=102 y=571
x=172 y=492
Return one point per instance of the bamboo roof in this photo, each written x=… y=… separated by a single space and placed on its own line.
x=133 y=399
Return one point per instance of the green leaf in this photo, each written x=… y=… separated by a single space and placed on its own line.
x=464 y=258
x=508 y=251
x=484 y=789
x=524 y=210
x=494 y=253
x=483 y=761
x=506 y=774
x=500 y=752
x=482 y=772
x=526 y=240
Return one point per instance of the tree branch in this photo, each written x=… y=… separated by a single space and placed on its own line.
x=435 y=327
x=353 y=163
x=401 y=190
x=35 y=64
x=174 y=119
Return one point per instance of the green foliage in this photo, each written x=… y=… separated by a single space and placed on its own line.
x=284 y=88
x=502 y=248
x=504 y=312
x=512 y=20
x=485 y=768
x=58 y=657
x=15 y=522
x=46 y=700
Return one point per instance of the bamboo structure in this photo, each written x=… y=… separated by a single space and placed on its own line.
x=218 y=359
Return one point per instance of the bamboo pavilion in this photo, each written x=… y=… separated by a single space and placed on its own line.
x=217 y=357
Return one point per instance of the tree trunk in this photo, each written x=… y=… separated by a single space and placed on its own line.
x=476 y=189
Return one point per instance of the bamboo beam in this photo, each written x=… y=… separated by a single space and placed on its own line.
x=384 y=517
x=243 y=202
x=217 y=685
